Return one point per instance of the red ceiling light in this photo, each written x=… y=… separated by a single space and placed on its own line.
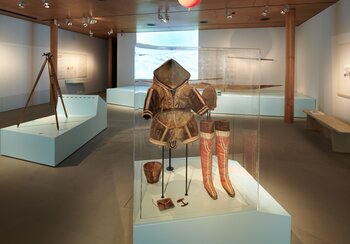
x=189 y=3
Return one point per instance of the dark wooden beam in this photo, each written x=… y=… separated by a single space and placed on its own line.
x=53 y=48
x=290 y=67
x=110 y=62
x=54 y=43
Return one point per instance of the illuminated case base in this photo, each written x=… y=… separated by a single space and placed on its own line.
x=39 y=141
x=225 y=220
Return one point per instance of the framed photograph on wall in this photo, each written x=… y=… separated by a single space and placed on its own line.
x=71 y=66
x=344 y=72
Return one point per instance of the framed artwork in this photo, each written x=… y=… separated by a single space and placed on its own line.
x=71 y=66
x=344 y=73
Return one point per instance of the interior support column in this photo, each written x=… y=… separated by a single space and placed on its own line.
x=110 y=62
x=290 y=67
x=53 y=46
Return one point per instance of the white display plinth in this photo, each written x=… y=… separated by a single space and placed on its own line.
x=240 y=102
x=39 y=140
x=124 y=96
x=251 y=217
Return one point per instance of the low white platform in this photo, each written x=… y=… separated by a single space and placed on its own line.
x=251 y=217
x=39 y=140
x=240 y=102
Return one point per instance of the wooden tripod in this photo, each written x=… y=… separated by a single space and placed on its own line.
x=54 y=89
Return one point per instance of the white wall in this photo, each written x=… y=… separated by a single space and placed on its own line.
x=318 y=52
x=21 y=46
x=96 y=50
x=126 y=58
x=271 y=42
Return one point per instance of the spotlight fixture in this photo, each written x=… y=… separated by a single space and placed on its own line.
x=21 y=3
x=85 y=22
x=165 y=18
x=265 y=11
x=229 y=14
x=110 y=32
x=69 y=22
x=285 y=9
x=91 y=34
x=56 y=23
x=92 y=20
x=46 y=4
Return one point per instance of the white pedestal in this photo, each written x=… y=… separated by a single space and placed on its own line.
x=39 y=140
x=244 y=103
x=251 y=217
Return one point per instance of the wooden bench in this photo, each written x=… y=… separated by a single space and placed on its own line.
x=334 y=129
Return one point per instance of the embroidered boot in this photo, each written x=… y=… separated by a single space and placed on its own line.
x=222 y=130
x=206 y=150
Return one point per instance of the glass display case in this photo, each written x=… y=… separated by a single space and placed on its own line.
x=196 y=143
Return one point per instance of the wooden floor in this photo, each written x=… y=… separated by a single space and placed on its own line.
x=87 y=198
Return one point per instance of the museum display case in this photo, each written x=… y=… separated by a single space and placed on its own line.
x=195 y=169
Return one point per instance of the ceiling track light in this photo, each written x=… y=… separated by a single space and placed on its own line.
x=91 y=34
x=165 y=18
x=229 y=14
x=92 y=20
x=69 y=22
x=110 y=32
x=46 y=4
x=56 y=23
x=265 y=11
x=21 y=3
x=85 y=22
x=285 y=9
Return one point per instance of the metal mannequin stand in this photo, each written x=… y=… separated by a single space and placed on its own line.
x=54 y=88
x=170 y=168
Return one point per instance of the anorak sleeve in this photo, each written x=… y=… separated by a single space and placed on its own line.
x=151 y=103
x=197 y=103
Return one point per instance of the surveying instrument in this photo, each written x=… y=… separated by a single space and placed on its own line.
x=54 y=89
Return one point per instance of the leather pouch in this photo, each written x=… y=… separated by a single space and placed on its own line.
x=164 y=204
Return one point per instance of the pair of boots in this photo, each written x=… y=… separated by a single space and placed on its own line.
x=222 y=131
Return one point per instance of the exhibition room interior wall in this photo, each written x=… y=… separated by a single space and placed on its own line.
x=270 y=40
x=320 y=42
x=320 y=45
x=22 y=44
